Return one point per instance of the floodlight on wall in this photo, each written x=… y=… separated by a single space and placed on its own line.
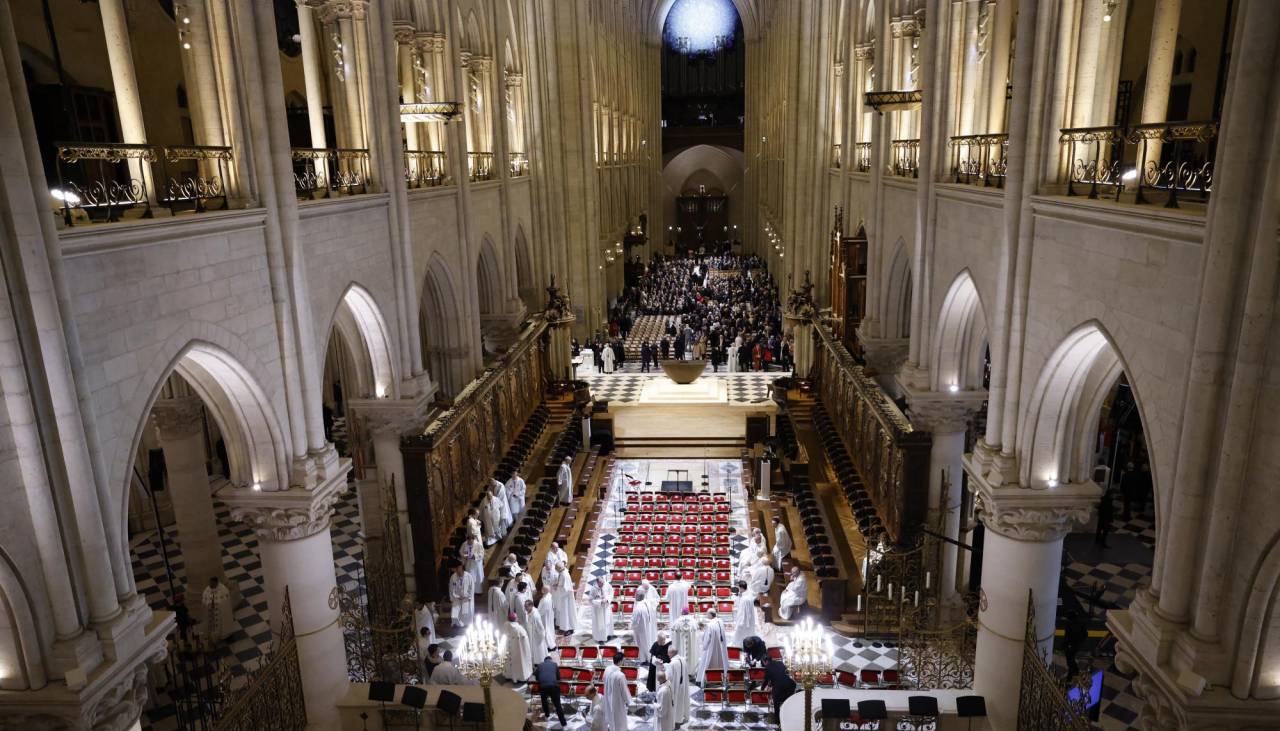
x=430 y=111
x=1108 y=9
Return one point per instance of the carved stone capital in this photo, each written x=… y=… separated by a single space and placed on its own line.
x=464 y=58
x=390 y=417
x=344 y=10
x=285 y=515
x=513 y=79
x=480 y=63
x=944 y=413
x=430 y=42
x=178 y=417
x=885 y=355
x=404 y=34
x=1040 y=516
x=864 y=52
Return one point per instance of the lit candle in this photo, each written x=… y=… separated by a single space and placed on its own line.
x=927 y=577
x=917 y=598
x=859 y=603
x=877 y=584
x=890 y=589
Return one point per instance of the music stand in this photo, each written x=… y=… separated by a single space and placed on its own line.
x=922 y=708
x=971 y=707
x=474 y=713
x=383 y=693
x=872 y=711
x=415 y=698
x=449 y=703
x=834 y=712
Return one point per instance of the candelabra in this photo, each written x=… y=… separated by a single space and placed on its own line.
x=806 y=650
x=481 y=657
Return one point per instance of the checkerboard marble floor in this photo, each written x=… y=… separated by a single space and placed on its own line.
x=242 y=566
x=744 y=388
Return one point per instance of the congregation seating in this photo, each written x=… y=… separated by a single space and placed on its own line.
x=664 y=537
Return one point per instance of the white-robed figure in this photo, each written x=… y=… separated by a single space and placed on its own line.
x=684 y=638
x=555 y=557
x=541 y=640
x=781 y=544
x=715 y=647
x=677 y=600
x=489 y=518
x=760 y=576
x=595 y=711
x=678 y=676
x=616 y=695
x=600 y=592
x=473 y=561
x=664 y=712
x=219 y=619
x=424 y=617
x=644 y=625
x=497 y=603
x=498 y=493
x=562 y=594
x=651 y=596
x=516 y=493
x=474 y=527
x=733 y=358
x=519 y=653
x=564 y=482
x=748 y=557
x=518 y=592
x=796 y=594
x=607 y=356
x=547 y=608
x=462 y=597
x=744 y=615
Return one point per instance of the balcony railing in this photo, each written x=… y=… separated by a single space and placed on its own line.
x=835 y=156
x=980 y=159
x=324 y=173
x=905 y=158
x=862 y=157
x=1175 y=158
x=480 y=166
x=518 y=164
x=425 y=168
x=105 y=179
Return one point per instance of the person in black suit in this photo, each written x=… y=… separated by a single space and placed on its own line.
x=547 y=673
x=659 y=650
x=754 y=648
x=777 y=681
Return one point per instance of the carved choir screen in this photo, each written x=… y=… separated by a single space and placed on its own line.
x=272 y=696
x=848 y=282
x=1044 y=701
x=891 y=457
x=448 y=465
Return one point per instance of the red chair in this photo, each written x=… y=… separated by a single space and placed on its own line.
x=630 y=672
x=565 y=689
x=568 y=653
x=633 y=688
x=735 y=654
x=756 y=674
x=628 y=606
x=567 y=673
x=738 y=676
x=869 y=678
x=760 y=698
x=607 y=652
x=585 y=676
x=631 y=652
x=846 y=679
x=590 y=653
x=713 y=676
x=580 y=689
x=723 y=591
x=712 y=696
x=775 y=653
x=825 y=679
x=534 y=689
x=889 y=678
x=737 y=697
x=725 y=607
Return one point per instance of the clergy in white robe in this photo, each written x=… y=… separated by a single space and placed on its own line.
x=473 y=561
x=474 y=528
x=541 y=641
x=497 y=603
x=517 y=594
x=781 y=544
x=616 y=695
x=516 y=493
x=555 y=557
x=600 y=592
x=677 y=600
x=595 y=711
x=607 y=356
x=566 y=608
x=547 y=608
x=489 y=518
x=794 y=596
x=424 y=617
x=684 y=640
x=760 y=576
x=219 y=619
x=644 y=626
x=744 y=615
x=747 y=558
x=715 y=648
x=448 y=674
x=664 y=713
x=564 y=482
x=678 y=676
x=651 y=596
x=733 y=358
x=519 y=654
x=498 y=494
x=462 y=597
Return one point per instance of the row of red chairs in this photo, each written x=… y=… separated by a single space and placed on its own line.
x=674 y=522
x=705 y=564
x=632 y=652
x=666 y=538
x=721 y=607
x=664 y=577
x=691 y=508
x=663 y=497
x=700 y=551
x=737 y=697
x=568 y=690
x=588 y=675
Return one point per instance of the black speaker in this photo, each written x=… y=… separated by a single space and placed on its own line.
x=473 y=713
x=382 y=692
x=414 y=697
x=923 y=705
x=449 y=702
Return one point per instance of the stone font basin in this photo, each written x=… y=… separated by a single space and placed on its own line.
x=684 y=371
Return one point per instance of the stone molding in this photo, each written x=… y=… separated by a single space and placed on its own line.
x=864 y=52
x=430 y=42
x=390 y=416
x=1039 y=516
x=344 y=10
x=885 y=355
x=944 y=413
x=178 y=417
x=513 y=79
x=404 y=34
x=286 y=515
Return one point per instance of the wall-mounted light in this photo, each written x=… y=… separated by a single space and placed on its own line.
x=953 y=388
x=380 y=391
x=1052 y=482
x=1130 y=174
x=257 y=487
x=1108 y=8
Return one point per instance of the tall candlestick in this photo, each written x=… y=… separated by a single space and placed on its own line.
x=859 y=603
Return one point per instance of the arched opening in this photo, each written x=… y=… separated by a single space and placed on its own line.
x=358 y=362
x=20 y=654
x=488 y=279
x=439 y=327
x=960 y=349
x=525 y=280
x=898 y=303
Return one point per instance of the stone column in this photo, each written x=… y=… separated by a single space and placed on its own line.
x=312 y=72
x=1001 y=35
x=1022 y=557
x=1088 y=67
x=386 y=420
x=197 y=45
x=1155 y=95
x=946 y=417
x=297 y=553
x=124 y=83
x=405 y=53
x=971 y=72
x=181 y=428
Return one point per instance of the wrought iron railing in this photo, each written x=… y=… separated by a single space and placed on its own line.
x=905 y=158
x=104 y=180
x=862 y=157
x=324 y=173
x=425 y=168
x=272 y=696
x=1043 y=698
x=480 y=166
x=836 y=162
x=980 y=159
x=938 y=657
x=1175 y=158
x=518 y=164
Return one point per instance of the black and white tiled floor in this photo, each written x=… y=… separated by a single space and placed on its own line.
x=744 y=388
x=242 y=565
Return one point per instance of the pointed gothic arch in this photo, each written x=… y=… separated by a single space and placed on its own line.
x=960 y=339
